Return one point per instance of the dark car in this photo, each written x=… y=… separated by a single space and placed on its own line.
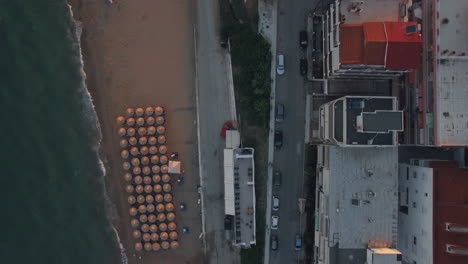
x=274 y=242
x=303 y=66
x=277 y=178
x=278 y=139
x=298 y=242
x=303 y=39
x=279 y=113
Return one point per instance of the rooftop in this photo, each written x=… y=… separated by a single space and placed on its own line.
x=375 y=10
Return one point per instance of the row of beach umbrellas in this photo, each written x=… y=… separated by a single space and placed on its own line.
x=156 y=246
x=141 y=131
x=139 y=112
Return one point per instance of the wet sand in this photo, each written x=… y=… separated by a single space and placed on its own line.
x=138 y=54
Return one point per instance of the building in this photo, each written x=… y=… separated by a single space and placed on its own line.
x=369 y=40
x=239 y=192
x=433 y=212
x=440 y=84
x=356 y=205
x=360 y=121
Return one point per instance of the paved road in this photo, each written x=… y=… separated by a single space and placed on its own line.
x=213 y=97
x=290 y=91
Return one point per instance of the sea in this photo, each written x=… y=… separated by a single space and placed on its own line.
x=54 y=207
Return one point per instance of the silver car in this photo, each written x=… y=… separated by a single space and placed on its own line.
x=274 y=222
x=275 y=203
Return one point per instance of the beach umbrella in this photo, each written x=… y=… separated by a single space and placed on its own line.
x=149 y=198
x=169 y=207
x=135 y=162
x=136 y=170
x=139 y=189
x=150 y=121
x=160 y=208
x=165 y=245
x=121 y=131
x=129 y=188
x=138 y=246
x=159 y=120
x=142 y=209
x=139 y=111
x=132 y=141
x=146 y=237
x=145 y=228
x=140 y=199
x=140 y=121
x=126 y=165
x=156 y=246
x=152 y=141
x=154 y=235
x=173 y=235
x=162 y=228
x=174 y=244
x=123 y=143
x=136 y=234
x=168 y=197
x=164 y=236
x=124 y=154
x=134 y=151
x=148 y=189
x=166 y=178
x=148 y=246
x=161 y=130
x=156 y=178
x=153 y=150
x=162 y=139
x=147 y=180
x=120 y=120
x=151 y=130
x=172 y=226
x=138 y=179
x=128 y=177
x=155 y=169
x=131 y=132
x=149 y=111
x=161 y=217
x=146 y=170
x=164 y=168
x=158 y=198
x=163 y=149
x=144 y=150
x=163 y=159
x=150 y=208
x=143 y=140
x=145 y=160
x=170 y=217
x=133 y=211
x=131 y=199
x=157 y=188
x=143 y=218
x=155 y=159
x=130 y=121
x=158 y=110
x=154 y=228
x=151 y=218
x=130 y=112
x=134 y=223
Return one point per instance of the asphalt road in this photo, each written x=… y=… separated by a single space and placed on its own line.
x=290 y=91
x=213 y=97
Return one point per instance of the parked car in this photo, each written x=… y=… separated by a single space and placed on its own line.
x=303 y=41
x=303 y=66
x=275 y=203
x=274 y=222
x=226 y=126
x=278 y=139
x=277 y=178
x=279 y=113
x=274 y=242
x=280 y=64
x=298 y=242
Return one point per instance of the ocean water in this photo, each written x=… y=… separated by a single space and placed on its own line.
x=51 y=180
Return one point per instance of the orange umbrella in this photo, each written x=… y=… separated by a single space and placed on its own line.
x=161 y=217
x=165 y=245
x=154 y=236
x=156 y=246
x=142 y=210
x=154 y=228
x=131 y=132
x=160 y=208
x=166 y=178
x=144 y=150
x=141 y=131
x=155 y=159
x=164 y=169
x=173 y=235
x=170 y=216
x=162 y=139
x=126 y=165
x=159 y=120
x=140 y=121
x=138 y=246
x=158 y=110
x=158 y=198
x=130 y=121
x=153 y=150
x=172 y=226
x=135 y=223
x=128 y=177
x=168 y=197
x=131 y=199
x=136 y=234
x=163 y=149
x=129 y=188
x=147 y=180
x=146 y=170
x=130 y=112
x=143 y=219
x=124 y=154
x=143 y=141
x=134 y=151
x=132 y=141
x=140 y=199
x=136 y=170
x=164 y=236
x=133 y=211
x=124 y=143
x=148 y=188
x=135 y=162
x=148 y=246
x=163 y=159
x=152 y=141
x=150 y=208
x=155 y=169
x=169 y=207
x=139 y=111
x=149 y=111
x=151 y=130
x=146 y=237
x=149 y=197
x=139 y=189
x=160 y=129
x=156 y=178
x=152 y=218
x=174 y=244
x=162 y=227
x=150 y=120
x=145 y=228
x=157 y=188
x=121 y=131
x=120 y=120
x=138 y=179
x=167 y=187
x=145 y=160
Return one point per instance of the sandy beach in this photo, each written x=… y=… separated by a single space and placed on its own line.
x=138 y=54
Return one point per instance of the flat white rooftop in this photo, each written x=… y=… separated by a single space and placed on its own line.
x=370 y=11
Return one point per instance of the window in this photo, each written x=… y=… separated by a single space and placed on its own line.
x=415 y=175
x=407 y=173
x=414 y=204
x=414 y=240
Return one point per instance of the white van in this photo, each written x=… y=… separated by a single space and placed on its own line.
x=280 y=64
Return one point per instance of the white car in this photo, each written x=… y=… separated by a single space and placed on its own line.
x=274 y=222
x=280 y=64
x=275 y=203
